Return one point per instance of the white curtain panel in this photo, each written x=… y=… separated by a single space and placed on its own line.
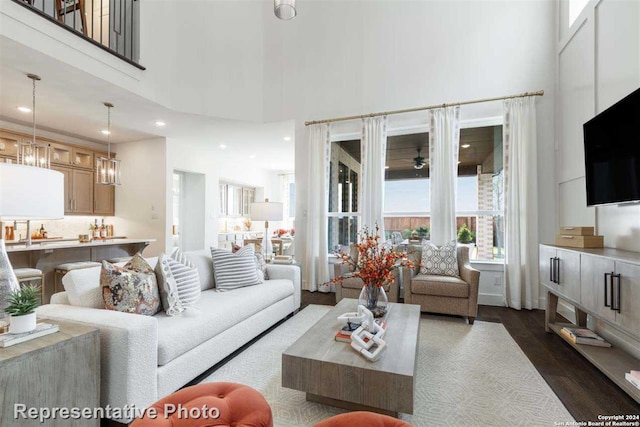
x=374 y=151
x=444 y=138
x=521 y=204
x=316 y=265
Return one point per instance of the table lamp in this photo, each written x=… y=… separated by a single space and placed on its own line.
x=26 y=193
x=266 y=211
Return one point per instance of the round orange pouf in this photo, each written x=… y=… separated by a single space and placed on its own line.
x=362 y=419
x=211 y=404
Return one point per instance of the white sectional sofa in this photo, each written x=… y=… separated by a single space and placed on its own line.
x=145 y=358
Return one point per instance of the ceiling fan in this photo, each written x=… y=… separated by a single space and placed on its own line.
x=418 y=162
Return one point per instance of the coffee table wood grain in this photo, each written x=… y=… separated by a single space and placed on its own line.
x=332 y=373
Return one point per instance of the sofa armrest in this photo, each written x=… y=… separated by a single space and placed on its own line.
x=340 y=269
x=128 y=352
x=472 y=277
x=407 y=275
x=289 y=272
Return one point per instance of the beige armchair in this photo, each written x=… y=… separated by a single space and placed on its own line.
x=443 y=294
x=351 y=286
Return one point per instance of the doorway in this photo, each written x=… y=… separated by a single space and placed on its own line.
x=188 y=210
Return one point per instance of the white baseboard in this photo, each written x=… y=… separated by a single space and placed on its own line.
x=491 y=299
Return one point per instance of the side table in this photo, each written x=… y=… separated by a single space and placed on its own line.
x=61 y=370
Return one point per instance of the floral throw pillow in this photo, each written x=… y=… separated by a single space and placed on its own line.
x=440 y=260
x=130 y=289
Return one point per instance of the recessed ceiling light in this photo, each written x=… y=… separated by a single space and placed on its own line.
x=287 y=138
x=252 y=156
x=223 y=146
x=160 y=123
x=105 y=132
x=466 y=145
x=24 y=109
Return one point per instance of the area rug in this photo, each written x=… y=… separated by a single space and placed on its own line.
x=466 y=376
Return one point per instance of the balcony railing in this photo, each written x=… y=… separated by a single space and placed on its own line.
x=112 y=25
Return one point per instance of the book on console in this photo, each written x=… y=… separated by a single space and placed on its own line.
x=584 y=336
x=8 y=339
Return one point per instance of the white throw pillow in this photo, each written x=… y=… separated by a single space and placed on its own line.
x=441 y=261
x=83 y=287
x=168 y=286
x=235 y=270
x=187 y=278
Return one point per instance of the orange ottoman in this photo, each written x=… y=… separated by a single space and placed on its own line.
x=362 y=419
x=211 y=404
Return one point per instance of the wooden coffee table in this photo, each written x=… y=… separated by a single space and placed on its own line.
x=332 y=373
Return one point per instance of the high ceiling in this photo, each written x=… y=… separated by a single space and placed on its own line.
x=402 y=149
x=70 y=102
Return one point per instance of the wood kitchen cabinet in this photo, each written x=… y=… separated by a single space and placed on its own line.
x=104 y=200
x=78 y=191
x=66 y=155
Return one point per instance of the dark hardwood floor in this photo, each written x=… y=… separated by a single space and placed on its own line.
x=582 y=388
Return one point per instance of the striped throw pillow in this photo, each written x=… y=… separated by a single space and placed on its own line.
x=186 y=276
x=234 y=270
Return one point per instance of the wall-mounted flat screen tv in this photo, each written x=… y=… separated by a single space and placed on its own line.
x=612 y=153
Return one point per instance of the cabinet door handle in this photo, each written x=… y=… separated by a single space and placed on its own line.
x=606 y=296
x=615 y=306
x=551 y=265
x=557 y=270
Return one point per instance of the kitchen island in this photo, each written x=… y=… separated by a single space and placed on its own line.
x=46 y=255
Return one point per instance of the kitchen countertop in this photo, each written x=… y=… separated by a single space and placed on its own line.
x=68 y=244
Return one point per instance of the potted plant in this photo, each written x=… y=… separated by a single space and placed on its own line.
x=22 y=308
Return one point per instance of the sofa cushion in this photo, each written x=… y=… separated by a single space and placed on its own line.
x=235 y=270
x=440 y=260
x=214 y=313
x=203 y=262
x=83 y=286
x=168 y=286
x=351 y=281
x=130 y=289
x=445 y=286
x=186 y=276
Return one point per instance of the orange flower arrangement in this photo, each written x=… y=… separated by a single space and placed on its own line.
x=376 y=262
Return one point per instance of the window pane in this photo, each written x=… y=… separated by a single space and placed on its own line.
x=484 y=234
x=342 y=231
x=344 y=171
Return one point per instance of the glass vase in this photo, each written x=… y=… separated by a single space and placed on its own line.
x=374 y=298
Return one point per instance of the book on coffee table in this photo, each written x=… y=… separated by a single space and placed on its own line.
x=8 y=339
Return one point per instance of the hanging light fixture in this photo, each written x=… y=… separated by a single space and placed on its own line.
x=108 y=168
x=285 y=9
x=30 y=153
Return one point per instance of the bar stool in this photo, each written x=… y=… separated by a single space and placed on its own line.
x=62 y=269
x=28 y=275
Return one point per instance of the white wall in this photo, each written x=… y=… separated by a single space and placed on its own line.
x=598 y=64
x=140 y=201
x=202 y=57
x=362 y=57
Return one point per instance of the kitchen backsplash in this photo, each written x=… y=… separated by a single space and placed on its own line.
x=70 y=226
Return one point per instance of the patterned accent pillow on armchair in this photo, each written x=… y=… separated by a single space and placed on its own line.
x=440 y=261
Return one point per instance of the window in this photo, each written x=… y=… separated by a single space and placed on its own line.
x=479 y=200
x=344 y=182
x=575 y=8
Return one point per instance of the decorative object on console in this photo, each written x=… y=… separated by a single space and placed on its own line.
x=41 y=329
x=440 y=260
x=130 y=289
x=266 y=211
x=235 y=270
x=108 y=168
x=375 y=264
x=30 y=153
x=39 y=195
x=579 y=237
x=22 y=308
x=285 y=9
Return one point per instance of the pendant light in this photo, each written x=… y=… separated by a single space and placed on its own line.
x=285 y=9
x=108 y=168
x=30 y=153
